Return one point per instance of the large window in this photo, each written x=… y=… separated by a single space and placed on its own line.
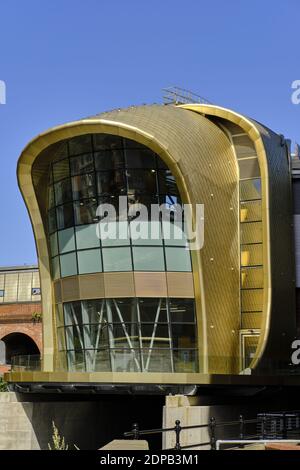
x=133 y=335
x=96 y=169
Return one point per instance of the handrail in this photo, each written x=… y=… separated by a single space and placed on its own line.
x=262 y=419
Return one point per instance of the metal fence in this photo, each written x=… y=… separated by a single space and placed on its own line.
x=274 y=426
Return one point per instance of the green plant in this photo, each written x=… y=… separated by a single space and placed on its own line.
x=3 y=385
x=36 y=317
x=58 y=441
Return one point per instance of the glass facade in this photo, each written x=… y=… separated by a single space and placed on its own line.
x=97 y=169
x=128 y=335
x=123 y=334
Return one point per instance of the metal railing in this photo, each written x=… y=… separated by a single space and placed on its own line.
x=177 y=95
x=28 y=362
x=281 y=424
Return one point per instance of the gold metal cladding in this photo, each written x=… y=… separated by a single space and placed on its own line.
x=177 y=136
x=255 y=135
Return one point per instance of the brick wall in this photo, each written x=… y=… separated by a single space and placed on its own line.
x=18 y=318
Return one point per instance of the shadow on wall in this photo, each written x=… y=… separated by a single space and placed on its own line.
x=91 y=422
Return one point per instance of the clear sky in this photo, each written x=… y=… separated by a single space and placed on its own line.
x=66 y=59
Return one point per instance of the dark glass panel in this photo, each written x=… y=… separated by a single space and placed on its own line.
x=51 y=202
x=82 y=164
x=126 y=308
x=110 y=182
x=136 y=203
x=140 y=158
x=83 y=186
x=152 y=309
x=80 y=144
x=63 y=191
x=120 y=206
x=109 y=160
x=141 y=181
x=183 y=336
x=65 y=216
x=85 y=211
x=182 y=310
x=167 y=184
x=107 y=142
x=61 y=170
x=52 y=226
x=72 y=313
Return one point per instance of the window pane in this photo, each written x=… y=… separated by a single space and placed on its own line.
x=109 y=160
x=61 y=170
x=182 y=310
x=94 y=311
x=160 y=337
x=167 y=184
x=250 y=189
x=157 y=360
x=83 y=186
x=141 y=181
x=66 y=240
x=146 y=233
x=178 y=259
x=185 y=360
x=148 y=259
x=51 y=202
x=174 y=233
x=152 y=310
x=63 y=192
x=136 y=201
x=249 y=168
x=73 y=315
x=61 y=339
x=140 y=158
x=76 y=361
x=80 y=144
x=85 y=212
x=68 y=264
x=53 y=244
x=59 y=315
x=125 y=360
x=89 y=261
x=251 y=232
x=121 y=310
x=52 y=226
x=251 y=255
x=117 y=259
x=250 y=211
x=86 y=237
x=183 y=336
x=111 y=182
x=82 y=164
x=97 y=360
x=119 y=208
x=55 y=268
x=107 y=142
x=114 y=233
x=65 y=216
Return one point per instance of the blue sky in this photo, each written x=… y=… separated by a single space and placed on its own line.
x=66 y=59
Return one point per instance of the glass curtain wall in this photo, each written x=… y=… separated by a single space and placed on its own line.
x=94 y=170
x=133 y=335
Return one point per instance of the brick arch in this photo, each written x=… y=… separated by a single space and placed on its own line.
x=27 y=330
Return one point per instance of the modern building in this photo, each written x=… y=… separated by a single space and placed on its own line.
x=20 y=314
x=157 y=310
